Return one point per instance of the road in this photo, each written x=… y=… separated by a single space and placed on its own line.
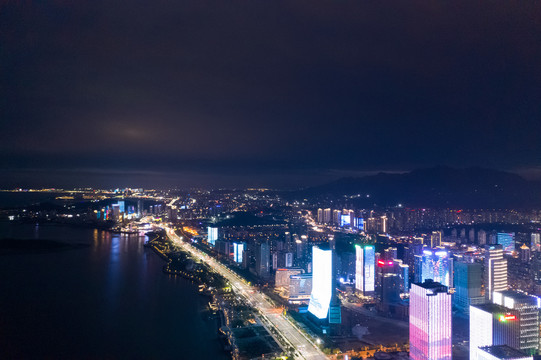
x=304 y=347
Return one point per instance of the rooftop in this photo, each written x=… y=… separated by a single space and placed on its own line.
x=504 y=352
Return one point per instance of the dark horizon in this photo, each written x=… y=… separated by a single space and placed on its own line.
x=282 y=94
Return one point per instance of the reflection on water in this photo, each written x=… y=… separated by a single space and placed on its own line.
x=108 y=300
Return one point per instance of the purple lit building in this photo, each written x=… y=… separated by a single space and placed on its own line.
x=430 y=321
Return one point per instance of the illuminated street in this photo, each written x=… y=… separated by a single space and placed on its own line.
x=303 y=346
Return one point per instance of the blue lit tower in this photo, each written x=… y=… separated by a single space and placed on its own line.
x=436 y=265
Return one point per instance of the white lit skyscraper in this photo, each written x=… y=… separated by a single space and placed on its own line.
x=430 y=321
x=365 y=267
x=495 y=273
x=322 y=279
x=512 y=320
x=212 y=235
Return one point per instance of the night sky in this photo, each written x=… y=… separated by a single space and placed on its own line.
x=271 y=93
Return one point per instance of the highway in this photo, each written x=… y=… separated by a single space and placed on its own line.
x=304 y=347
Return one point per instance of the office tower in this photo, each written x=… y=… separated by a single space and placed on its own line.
x=390 y=288
x=403 y=271
x=322 y=282
x=430 y=321
x=525 y=253
x=434 y=264
x=320 y=218
x=212 y=235
x=495 y=273
x=462 y=233
x=262 y=259
x=327 y=216
x=524 y=310
x=336 y=217
x=348 y=262
x=471 y=236
x=300 y=288
x=365 y=269
x=507 y=241
x=435 y=239
x=512 y=320
x=536 y=242
x=501 y=352
x=238 y=252
x=482 y=238
x=468 y=281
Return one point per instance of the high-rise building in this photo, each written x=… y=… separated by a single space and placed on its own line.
x=212 y=235
x=430 y=321
x=536 y=242
x=495 y=273
x=336 y=217
x=289 y=259
x=507 y=241
x=512 y=320
x=482 y=238
x=403 y=272
x=238 y=252
x=327 y=216
x=322 y=282
x=320 y=218
x=468 y=281
x=525 y=253
x=383 y=226
x=525 y=309
x=365 y=267
x=262 y=260
x=436 y=265
x=390 y=288
x=435 y=239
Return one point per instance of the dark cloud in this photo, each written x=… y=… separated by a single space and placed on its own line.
x=263 y=92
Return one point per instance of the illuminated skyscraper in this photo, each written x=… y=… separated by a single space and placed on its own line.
x=238 y=252
x=322 y=282
x=430 y=321
x=336 y=217
x=327 y=216
x=507 y=241
x=513 y=320
x=212 y=235
x=536 y=242
x=320 y=216
x=525 y=309
x=436 y=265
x=435 y=239
x=495 y=273
x=262 y=260
x=468 y=281
x=365 y=265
